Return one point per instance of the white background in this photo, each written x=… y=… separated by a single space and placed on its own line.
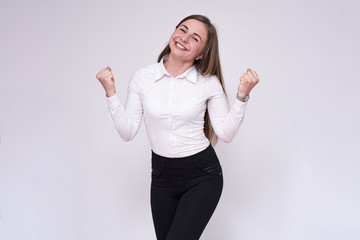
x=291 y=173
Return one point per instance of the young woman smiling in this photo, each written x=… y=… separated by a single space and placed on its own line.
x=185 y=108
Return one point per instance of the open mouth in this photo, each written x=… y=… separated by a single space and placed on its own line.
x=178 y=45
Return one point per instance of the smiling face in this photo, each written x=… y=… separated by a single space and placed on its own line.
x=188 y=40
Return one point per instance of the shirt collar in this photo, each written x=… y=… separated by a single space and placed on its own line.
x=190 y=74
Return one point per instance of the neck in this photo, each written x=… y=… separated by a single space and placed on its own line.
x=176 y=67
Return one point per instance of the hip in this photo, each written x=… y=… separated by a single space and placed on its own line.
x=184 y=171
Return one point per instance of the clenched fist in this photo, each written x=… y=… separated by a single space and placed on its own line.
x=106 y=78
x=247 y=81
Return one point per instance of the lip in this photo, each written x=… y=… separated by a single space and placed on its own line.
x=183 y=49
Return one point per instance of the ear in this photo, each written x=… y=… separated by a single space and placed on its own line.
x=199 y=57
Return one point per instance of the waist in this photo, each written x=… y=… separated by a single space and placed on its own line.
x=182 y=161
x=175 y=147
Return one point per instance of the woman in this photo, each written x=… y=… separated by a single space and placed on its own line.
x=185 y=109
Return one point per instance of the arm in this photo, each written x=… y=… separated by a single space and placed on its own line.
x=126 y=119
x=226 y=123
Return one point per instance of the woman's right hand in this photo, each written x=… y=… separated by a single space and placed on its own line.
x=106 y=78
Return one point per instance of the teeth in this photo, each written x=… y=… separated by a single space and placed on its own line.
x=180 y=46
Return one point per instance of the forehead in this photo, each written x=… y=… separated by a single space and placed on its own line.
x=196 y=27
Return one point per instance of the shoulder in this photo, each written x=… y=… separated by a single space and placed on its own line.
x=212 y=83
x=148 y=71
x=145 y=74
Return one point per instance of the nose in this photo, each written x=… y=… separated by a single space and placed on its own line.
x=185 y=38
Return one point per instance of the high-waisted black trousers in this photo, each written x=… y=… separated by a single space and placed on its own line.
x=184 y=194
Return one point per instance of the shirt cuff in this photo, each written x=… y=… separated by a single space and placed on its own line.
x=113 y=101
x=239 y=106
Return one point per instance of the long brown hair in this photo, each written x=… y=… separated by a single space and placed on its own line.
x=208 y=65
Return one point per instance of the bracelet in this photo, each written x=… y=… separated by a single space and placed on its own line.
x=242 y=99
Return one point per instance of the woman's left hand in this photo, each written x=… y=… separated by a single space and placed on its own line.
x=247 y=81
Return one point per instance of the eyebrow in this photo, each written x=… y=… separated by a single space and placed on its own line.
x=188 y=29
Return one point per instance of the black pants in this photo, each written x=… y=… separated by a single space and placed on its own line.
x=184 y=194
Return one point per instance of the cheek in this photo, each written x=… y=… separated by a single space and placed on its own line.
x=175 y=35
x=171 y=37
x=198 y=48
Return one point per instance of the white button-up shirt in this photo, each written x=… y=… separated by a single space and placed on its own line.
x=173 y=109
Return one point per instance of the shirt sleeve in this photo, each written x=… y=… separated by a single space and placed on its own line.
x=225 y=121
x=127 y=118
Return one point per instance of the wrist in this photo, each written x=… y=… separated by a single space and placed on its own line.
x=110 y=93
x=242 y=98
